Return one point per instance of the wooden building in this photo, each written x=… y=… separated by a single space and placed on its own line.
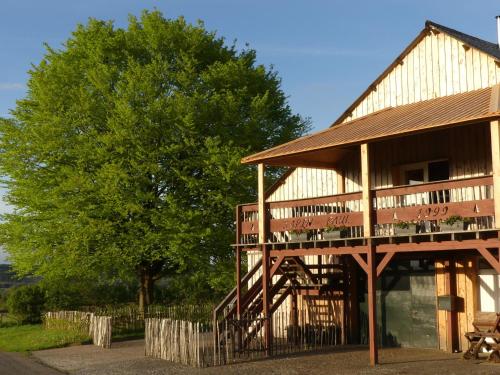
x=401 y=193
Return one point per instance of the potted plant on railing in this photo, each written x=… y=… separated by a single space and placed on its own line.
x=402 y=228
x=335 y=232
x=298 y=235
x=454 y=223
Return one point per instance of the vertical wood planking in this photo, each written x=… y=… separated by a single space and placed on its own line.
x=438 y=65
x=495 y=162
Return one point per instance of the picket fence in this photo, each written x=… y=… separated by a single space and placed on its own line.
x=179 y=341
x=99 y=328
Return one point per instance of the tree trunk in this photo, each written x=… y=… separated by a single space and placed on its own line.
x=145 y=288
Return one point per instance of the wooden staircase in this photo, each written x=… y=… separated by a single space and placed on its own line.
x=289 y=276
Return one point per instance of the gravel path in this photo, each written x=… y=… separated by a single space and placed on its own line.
x=127 y=358
x=20 y=364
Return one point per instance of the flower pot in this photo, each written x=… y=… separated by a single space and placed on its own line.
x=298 y=237
x=412 y=229
x=456 y=226
x=332 y=235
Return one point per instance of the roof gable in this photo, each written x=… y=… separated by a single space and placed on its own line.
x=440 y=61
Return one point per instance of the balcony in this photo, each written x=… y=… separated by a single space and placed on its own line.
x=414 y=211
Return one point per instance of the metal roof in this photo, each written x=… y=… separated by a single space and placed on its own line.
x=489 y=48
x=458 y=109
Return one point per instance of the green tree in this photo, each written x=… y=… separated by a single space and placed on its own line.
x=124 y=156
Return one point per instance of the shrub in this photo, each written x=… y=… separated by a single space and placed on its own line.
x=25 y=303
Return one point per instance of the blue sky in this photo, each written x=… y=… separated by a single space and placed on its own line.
x=326 y=52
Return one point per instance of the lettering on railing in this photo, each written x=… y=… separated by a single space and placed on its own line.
x=306 y=223
x=337 y=221
x=432 y=212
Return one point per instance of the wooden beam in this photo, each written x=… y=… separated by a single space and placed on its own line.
x=238 y=261
x=452 y=318
x=384 y=262
x=353 y=304
x=266 y=299
x=361 y=262
x=495 y=263
x=261 y=203
x=438 y=246
x=349 y=250
x=366 y=192
x=281 y=298
x=495 y=163
x=277 y=263
x=266 y=279
x=238 y=282
x=372 y=309
x=306 y=270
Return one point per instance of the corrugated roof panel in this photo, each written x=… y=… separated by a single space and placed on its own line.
x=411 y=118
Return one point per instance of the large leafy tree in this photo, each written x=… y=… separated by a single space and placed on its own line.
x=124 y=156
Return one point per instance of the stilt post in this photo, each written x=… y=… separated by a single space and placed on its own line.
x=266 y=282
x=371 y=256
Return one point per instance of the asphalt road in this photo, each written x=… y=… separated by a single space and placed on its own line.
x=19 y=364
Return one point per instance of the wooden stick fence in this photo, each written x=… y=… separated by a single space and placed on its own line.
x=317 y=326
x=179 y=341
x=98 y=328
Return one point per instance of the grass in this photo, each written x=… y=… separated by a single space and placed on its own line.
x=26 y=338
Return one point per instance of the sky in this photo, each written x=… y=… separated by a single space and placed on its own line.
x=326 y=52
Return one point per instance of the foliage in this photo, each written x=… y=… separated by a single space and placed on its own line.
x=335 y=228
x=124 y=157
x=27 y=338
x=74 y=293
x=26 y=303
x=3 y=298
x=453 y=219
x=401 y=224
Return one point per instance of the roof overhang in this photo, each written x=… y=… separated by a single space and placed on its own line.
x=325 y=148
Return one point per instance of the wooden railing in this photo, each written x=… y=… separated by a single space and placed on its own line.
x=470 y=198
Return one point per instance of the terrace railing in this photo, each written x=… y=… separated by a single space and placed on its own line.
x=428 y=204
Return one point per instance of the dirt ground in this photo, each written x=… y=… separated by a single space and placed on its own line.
x=127 y=358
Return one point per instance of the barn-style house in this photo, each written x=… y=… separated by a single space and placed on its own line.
x=393 y=211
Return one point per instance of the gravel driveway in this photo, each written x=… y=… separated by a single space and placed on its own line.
x=22 y=364
x=127 y=358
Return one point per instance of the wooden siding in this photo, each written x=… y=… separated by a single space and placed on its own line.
x=439 y=65
x=306 y=183
x=466 y=283
x=467 y=149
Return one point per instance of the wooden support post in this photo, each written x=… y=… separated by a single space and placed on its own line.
x=372 y=308
x=266 y=280
x=495 y=163
x=266 y=300
x=353 y=302
x=371 y=269
x=452 y=319
x=261 y=204
x=320 y=272
x=238 y=296
x=366 y=193
x=295 y=317
x=238 y=262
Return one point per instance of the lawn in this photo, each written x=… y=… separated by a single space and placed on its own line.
x=27 y=338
